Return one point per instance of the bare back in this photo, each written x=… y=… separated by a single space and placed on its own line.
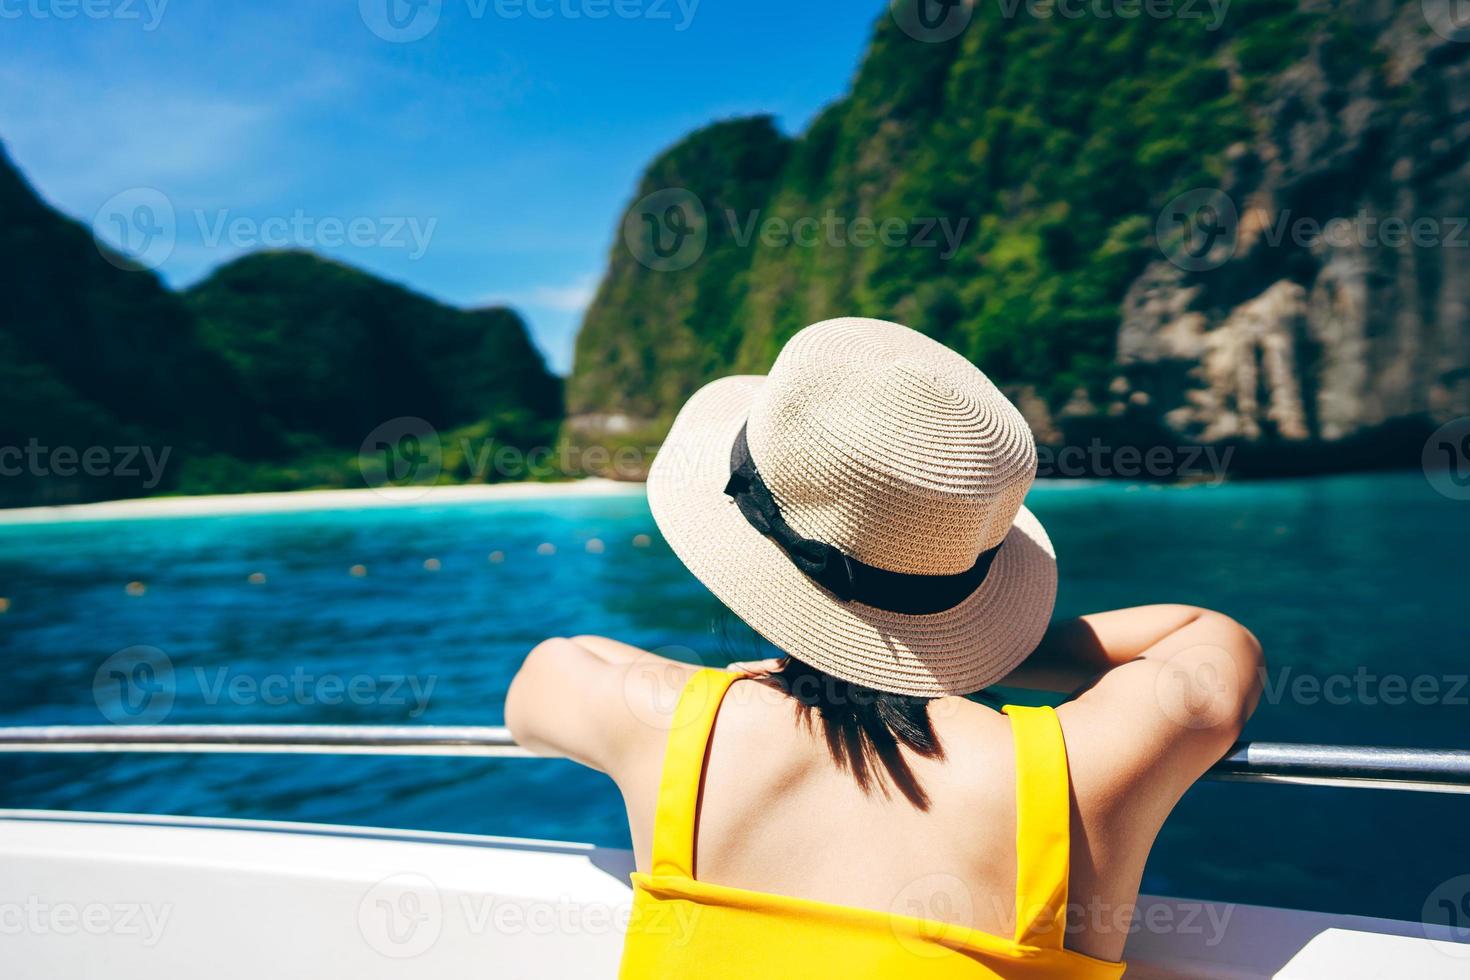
x=779 y=815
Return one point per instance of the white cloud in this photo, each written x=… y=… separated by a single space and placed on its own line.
x=572 y=297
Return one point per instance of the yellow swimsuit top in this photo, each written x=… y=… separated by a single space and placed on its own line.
x=684 y=928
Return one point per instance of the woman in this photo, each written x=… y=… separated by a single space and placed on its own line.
x=842 y=810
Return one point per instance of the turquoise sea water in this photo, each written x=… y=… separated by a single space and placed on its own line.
x=1359 y=578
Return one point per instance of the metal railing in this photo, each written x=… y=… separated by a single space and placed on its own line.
x=1418 y=770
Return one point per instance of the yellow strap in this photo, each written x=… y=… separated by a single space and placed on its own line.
x=1043 y=832
x=678 y=793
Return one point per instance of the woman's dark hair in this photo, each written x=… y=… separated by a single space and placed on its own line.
x=863 y=728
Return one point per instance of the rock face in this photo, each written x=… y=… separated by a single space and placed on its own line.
x=1165 y=233
x=1340 y=312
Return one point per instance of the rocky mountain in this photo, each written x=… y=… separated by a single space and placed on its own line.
x=329 y=352
x=96 y=354
x=1112 y=216
x=267 y=375
x=1337 y=326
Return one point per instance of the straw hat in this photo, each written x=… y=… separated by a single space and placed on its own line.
x=860 y=507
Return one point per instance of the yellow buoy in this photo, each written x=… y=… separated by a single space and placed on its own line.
x=546 y=548
x=357 y=571
x=641 y=541
x=497 y=557
x=256 y=578
x=595 y=546
x=136 y=588
x=432 y=565
x=4 y=605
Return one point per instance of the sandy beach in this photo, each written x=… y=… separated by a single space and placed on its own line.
x=312 y=500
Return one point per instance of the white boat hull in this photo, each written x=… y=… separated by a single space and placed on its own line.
x=111 y=897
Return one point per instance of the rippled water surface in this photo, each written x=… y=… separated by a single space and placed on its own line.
x=1358 y=578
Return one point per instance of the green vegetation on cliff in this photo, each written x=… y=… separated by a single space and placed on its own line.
x=94 y=354
x=266 y=376
x=1044 y=147
x=648 y=333
x=329 y=352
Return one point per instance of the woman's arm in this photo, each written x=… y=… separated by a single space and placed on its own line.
x=592 y=699
x=1165 y=690
x=1075 y=652
x=1171 y=689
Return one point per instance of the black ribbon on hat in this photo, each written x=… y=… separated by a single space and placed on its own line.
x=841 y=574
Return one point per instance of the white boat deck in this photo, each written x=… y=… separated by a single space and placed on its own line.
x=116 y=897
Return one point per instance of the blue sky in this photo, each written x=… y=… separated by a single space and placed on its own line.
x=484 y=162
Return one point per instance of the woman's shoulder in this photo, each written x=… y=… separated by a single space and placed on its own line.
x=593 y=699
x=1146 y=730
